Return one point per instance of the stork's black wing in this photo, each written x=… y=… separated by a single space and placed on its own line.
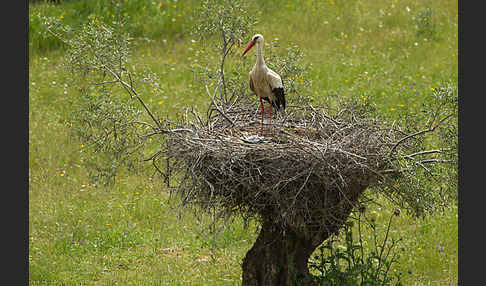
x=280 y=98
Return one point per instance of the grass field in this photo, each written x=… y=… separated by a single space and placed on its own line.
x=391 y=52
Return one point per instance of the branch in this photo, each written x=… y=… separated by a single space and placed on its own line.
x=418 y=133
x=217 y=107
x=129 y=88
x=105 y=82
x=59 y=37
x=422 y=153
x=435 y=161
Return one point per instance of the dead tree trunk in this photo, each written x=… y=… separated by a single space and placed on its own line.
x=280 y=256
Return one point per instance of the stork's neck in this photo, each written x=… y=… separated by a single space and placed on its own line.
x=259 y=55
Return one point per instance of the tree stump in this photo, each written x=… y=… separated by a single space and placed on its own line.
x=280 y=255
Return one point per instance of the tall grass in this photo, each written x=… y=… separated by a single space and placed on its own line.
x=81 y=233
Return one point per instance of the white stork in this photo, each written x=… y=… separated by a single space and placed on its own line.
x=264 y=82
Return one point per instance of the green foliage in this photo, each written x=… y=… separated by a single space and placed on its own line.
x=221 y=25
x=95 y=46
x=110 y=128
x=291 y=67
x=107 y=122
x=230 y=21
x=351 y=263
x=427 y=186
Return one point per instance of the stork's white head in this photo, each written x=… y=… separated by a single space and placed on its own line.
x=256 y=39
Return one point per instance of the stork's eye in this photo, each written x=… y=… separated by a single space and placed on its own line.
x=255 y=38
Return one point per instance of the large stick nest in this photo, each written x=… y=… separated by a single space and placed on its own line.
x=306 y=171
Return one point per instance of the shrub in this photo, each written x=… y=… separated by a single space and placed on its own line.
x=353 y=264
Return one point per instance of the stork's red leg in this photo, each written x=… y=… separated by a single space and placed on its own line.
x=270 y=113
x=261 y=106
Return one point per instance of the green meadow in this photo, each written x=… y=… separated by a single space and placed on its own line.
x=391 y=53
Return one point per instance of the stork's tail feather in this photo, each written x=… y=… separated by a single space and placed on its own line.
x=280 y=98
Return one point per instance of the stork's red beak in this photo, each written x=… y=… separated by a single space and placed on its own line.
x=252 y=43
